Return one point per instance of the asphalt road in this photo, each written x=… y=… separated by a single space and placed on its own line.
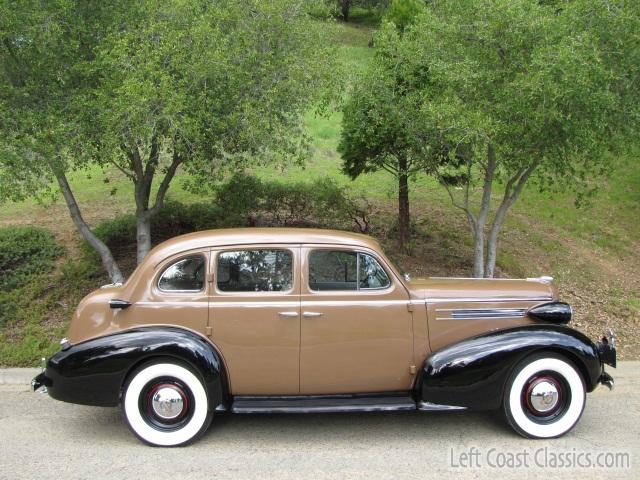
x=41 y=438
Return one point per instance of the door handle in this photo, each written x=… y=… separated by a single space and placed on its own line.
x=311 y=314
x=288 y=314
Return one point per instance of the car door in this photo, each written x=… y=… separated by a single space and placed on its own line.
x=356 y=327
x=255 y=317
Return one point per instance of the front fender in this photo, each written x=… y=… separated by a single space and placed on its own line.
x=473 y=373
x=94 y=372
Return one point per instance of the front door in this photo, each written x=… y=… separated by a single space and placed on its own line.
x=356 y=328
x=255 y=317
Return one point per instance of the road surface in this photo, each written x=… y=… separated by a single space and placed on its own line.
x=41 y=438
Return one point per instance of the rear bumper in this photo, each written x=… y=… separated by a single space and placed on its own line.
x=39 y=381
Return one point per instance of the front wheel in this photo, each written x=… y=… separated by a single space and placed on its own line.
x=544 y=396
x=165 y=404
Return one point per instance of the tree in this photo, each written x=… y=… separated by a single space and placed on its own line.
x=43 y=46
x=150 y=87
x=378 y=126
x=519 y=91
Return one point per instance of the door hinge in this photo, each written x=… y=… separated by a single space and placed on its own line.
x=412 y=369
x=208 y=331
x=410 y=307
x=210 y=277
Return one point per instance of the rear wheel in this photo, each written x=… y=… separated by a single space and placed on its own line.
x=544 y=397
x=165 y=404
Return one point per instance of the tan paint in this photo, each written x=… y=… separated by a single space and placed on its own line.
x=363 y=341
x=260 y=342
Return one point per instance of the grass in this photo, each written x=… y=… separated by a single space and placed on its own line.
x=593 y=251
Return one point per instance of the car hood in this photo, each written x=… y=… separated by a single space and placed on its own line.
x=483 y=288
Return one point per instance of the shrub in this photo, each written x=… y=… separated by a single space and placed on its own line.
x=242 y=201
x=248 y=201
x=25 y=251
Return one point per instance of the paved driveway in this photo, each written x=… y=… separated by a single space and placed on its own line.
x=42 y=438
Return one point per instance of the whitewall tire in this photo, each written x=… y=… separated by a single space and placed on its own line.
x=165 y=404
x=544 y=396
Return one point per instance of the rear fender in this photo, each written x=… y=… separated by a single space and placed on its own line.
x=93 y=372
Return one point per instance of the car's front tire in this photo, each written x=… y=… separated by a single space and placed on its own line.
x=165 y=404
x=544 y=396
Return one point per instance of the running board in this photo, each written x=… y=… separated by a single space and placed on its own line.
x=436 y=407
x=322 y=404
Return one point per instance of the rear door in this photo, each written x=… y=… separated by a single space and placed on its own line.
x=255 y=317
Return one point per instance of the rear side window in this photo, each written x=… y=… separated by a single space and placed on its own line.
x=344 y=270
x=255 y=271
x=185 y=275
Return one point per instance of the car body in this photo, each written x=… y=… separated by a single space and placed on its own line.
x=305 y=320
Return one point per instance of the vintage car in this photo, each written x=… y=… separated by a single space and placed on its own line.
x=304 y=320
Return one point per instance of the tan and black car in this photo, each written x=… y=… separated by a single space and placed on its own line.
x=302 y=320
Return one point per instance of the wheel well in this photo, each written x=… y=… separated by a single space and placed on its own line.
x=173 y=359
x=574 y=359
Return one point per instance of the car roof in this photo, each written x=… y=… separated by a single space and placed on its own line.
x=244 y=236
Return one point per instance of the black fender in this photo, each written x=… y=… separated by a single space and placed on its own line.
x=93 y=372
x=473 y=373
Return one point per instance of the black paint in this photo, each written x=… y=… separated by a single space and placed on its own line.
x=473 y=372
x=93 y=372
x=554 y=312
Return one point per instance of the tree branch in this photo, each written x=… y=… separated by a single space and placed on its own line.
x=176 y=160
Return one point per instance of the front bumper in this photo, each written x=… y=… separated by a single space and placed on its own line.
x=607 y=349
x=607 y=354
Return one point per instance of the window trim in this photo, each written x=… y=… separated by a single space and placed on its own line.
x=179 y=259
x=216 y=259
x=358 y=252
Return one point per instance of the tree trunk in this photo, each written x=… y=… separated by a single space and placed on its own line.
x=345 y=5
x=404 y=218
x=143 y=235
x=478 y=252
x=513 y=190
x=108 y=262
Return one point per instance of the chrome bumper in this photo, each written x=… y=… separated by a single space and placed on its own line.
x=607 y=349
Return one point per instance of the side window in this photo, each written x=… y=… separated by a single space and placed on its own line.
x=186 y=274
x=342 y=270
x=255 y=271
x=370 y=273
x=333 y=270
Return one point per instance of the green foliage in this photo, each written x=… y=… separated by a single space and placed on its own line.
x=30 y=298
x=403 y=13
x=549 y=88
x=24 y=252
x=244 y=201
x=249 y=201
x=35 y=320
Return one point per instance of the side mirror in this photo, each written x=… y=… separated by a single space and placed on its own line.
x=115 y=303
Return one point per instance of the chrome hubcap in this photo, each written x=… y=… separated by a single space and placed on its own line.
x=167 y=402
x=543 y=397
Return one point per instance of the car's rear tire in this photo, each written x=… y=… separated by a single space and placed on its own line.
x=544 y=396
x=165 y=404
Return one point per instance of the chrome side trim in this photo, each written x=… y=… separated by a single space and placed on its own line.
x=481 y=313
x=488 y=312
x=488 y=300
x=434 y=407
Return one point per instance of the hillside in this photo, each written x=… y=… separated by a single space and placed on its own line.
x=593 y=252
